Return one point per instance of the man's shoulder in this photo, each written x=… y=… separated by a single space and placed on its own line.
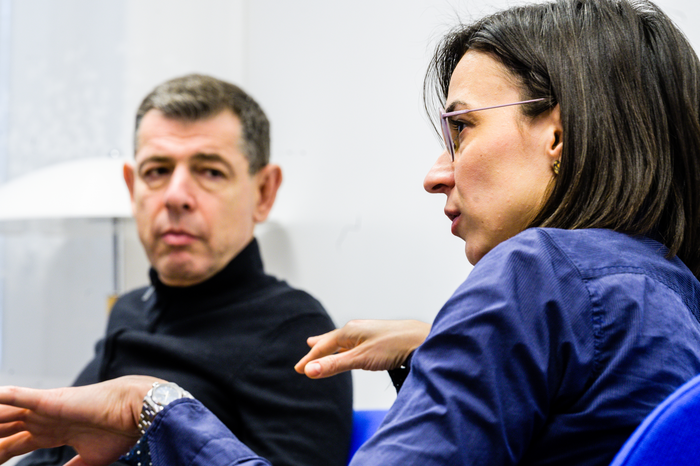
x=131 y=304
x=281 y=298
x=137 y=296
x=275 y=311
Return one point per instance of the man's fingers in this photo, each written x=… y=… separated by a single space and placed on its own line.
x=11 y=414
x=76 y=461
x=16 y=445
x=8 y=429
x=19 y=397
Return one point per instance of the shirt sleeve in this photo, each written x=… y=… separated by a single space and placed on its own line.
x=482 y=384
x=186 y=433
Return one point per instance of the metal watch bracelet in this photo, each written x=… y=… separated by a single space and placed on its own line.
x=157 y=398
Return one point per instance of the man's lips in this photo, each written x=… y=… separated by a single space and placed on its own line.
x=177 y=238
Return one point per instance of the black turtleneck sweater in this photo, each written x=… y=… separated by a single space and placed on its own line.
x=232 y=342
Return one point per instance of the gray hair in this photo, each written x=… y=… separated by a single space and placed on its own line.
x=195 y=97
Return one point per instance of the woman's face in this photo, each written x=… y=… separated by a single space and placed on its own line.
x=503 y=167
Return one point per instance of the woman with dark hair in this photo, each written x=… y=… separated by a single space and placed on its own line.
x=572 y=172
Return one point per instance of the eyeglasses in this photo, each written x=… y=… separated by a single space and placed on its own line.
x=452 y=140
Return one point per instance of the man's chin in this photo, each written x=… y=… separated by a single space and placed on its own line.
x=179 y=273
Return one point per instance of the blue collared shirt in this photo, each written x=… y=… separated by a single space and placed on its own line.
x=552 y=351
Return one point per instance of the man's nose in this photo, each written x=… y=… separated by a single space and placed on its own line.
x=441 y=176
x=179 y=194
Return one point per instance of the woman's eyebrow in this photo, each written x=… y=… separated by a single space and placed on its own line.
x=457 y=103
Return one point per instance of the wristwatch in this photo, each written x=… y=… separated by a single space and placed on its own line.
x=157 y=398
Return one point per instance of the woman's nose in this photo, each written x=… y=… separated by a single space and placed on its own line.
x=440 y=177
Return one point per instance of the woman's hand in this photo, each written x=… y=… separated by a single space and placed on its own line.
x=372 y=345
x=100 y=421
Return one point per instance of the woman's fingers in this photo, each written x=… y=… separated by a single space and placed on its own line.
x=362 y=344
x=321 y=345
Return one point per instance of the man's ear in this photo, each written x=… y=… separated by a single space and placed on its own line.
x=268 y=180
x=129 y=180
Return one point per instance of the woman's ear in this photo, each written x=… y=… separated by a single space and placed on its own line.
x=556 y=131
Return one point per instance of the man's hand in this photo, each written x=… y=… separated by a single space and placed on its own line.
x=372 y=345
x=100 y=421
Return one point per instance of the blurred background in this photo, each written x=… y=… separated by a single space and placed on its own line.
x=341 y=83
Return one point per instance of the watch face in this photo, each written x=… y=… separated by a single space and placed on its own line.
x=165 y=393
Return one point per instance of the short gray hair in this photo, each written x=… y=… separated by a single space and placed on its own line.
x=195 y=97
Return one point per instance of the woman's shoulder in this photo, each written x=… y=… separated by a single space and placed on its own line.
x=546 y=258
x=593 y=256
x=530 y=272
x=591 y=251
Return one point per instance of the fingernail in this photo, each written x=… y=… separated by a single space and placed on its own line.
x=313 y=369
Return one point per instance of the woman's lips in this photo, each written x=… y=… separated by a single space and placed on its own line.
x=454 y=216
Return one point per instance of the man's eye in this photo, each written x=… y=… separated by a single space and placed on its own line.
x=155 y=172
x=213 y=173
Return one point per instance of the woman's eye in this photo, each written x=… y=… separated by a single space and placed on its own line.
x=459 y=126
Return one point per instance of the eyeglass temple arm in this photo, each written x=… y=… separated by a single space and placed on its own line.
x=459 y=112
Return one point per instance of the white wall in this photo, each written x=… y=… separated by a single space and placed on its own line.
x=62 y=91
x=341 y=83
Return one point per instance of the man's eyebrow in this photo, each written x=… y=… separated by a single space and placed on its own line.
x=202 y=157
x=155 y=159
x=199 y=157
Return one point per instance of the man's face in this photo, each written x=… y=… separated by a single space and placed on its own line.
x=194 y=201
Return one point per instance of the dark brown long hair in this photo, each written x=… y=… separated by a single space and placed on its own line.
x=628 y=85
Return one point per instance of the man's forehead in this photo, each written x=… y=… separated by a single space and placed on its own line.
x=159 y=134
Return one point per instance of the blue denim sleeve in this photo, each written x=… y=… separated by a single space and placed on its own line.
x=479 y=387
x=186 y=433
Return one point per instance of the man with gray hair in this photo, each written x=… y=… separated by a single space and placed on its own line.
x=212 y=321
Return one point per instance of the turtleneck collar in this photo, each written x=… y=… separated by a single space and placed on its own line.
x=242 y=271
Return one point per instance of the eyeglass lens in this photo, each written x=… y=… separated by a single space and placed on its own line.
x=452 y=140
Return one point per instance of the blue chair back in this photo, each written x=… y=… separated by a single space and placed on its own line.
x=670 y=435
x=364 y=425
